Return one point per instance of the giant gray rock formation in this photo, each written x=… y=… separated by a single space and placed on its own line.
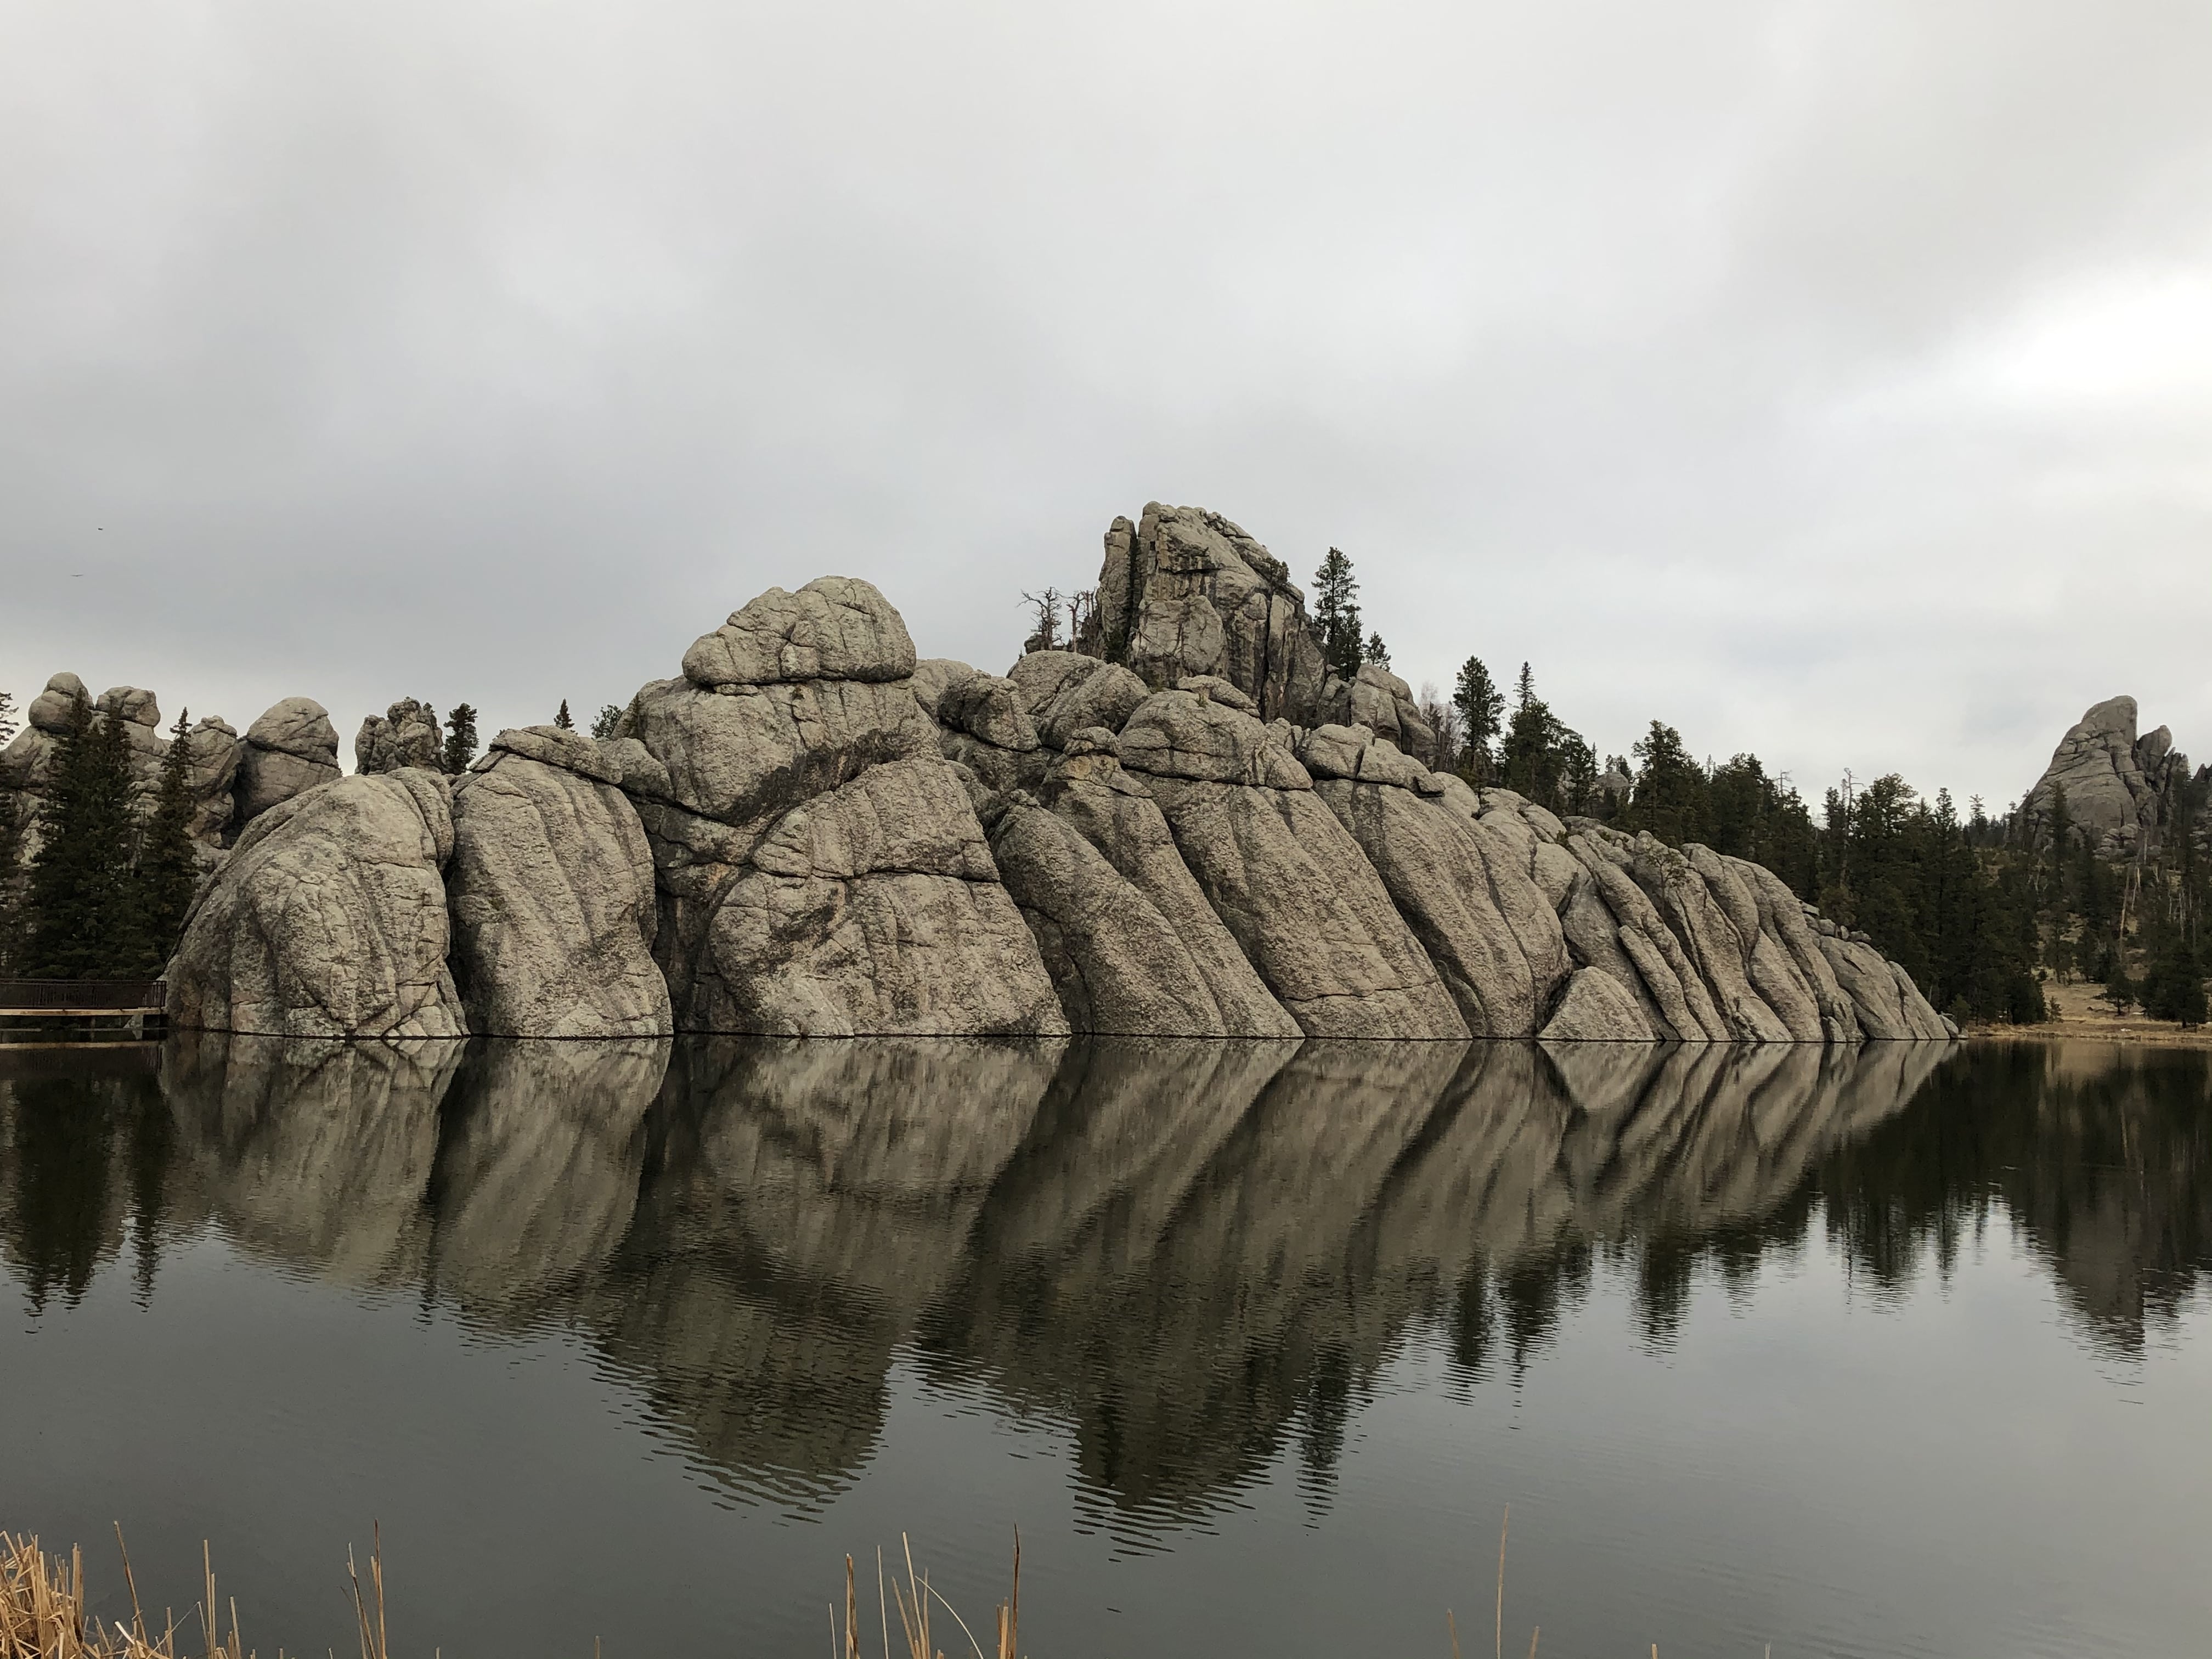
x=1469 y=901
x=328 y=919
x=1185 y=591
x=1379 y=701
x=1066 y=693
x=821 y=869
x=291 y=748
x=2119 y=785
x=551 y=894
x=405 y=734
x=1285 y=876
x=1088 y=791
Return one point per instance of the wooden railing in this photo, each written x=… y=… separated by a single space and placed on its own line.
x=82 y=996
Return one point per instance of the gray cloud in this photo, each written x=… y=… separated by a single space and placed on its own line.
x=1829 y=380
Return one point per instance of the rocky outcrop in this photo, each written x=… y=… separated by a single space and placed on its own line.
x=812 y=831
x=2120 y=789
x=1066 y=693
x=821 y=869
x=405 y=734
x=1466 y=894
x=551 y=894
x=212 y=746
x=1286 y=879
x=328 y=919
x=1379 y=701
x=291 y=748
x=1595 y=1007
x=1185 y=591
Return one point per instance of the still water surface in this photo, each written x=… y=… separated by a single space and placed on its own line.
x=1900 y=1352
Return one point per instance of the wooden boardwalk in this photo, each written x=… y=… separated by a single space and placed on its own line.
x=83 y=999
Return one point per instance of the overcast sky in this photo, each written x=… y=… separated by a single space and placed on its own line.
x=1832 y=381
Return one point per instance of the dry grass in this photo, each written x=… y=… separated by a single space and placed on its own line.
x=914 y=1601
x=2078 y=1014
x=43 y=1613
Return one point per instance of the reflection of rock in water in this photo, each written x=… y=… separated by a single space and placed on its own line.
x=537 y=1164
x=1199 y=1253
x=1193 y=1319
x=803 y=1201
x=310 y=1150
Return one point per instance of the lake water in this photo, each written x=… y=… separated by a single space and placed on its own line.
x=1905 y=1352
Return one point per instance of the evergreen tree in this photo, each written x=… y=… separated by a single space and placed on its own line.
x=461 y=740
x=561 y=718
x=11 y=883
x=608 y=723
x=83 y=919
x=2173 y=984
x=1480 y=708
x=8 y=726
x=2119 y=990
x=1670 y=797
x=1375 y=652
x=168 y=873
x=1540 y=751
x=1577 y=774
x=1336 y=615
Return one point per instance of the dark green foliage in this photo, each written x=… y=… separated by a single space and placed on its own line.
x=1540 y=751
x=1336 y=614
x=608 y=723
x=461 y=740
x=11 y=883
x=168 y=873
x=80 y=895
x=1669 y=798
x=2119 y=989
x=1961 y=920
x=1481 y=709
x=2173 y=983
x=563 y=719
x=1577 y=774
x=1375 y=651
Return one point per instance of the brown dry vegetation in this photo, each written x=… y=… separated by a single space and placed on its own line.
x=2079 y=1014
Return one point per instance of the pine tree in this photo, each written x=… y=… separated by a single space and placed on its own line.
x=461 y=740
x=1669 y=798
x=2173 y=984
x=563 y=719
x=8 y=726
x=1375 y=651
x=80 y=900
x=608 y=723
x=1336 y=615
x=1481 y=709
x=168 y=873
x=11 y=885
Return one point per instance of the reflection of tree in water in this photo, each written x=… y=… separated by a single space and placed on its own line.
x=83 y=1174
x=1198 y=1257
x=2098 y=1156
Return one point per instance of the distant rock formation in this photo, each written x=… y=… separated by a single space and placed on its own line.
x=2122 y=790
x=224 y=771
x=1186 y=829
x=405 y=734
